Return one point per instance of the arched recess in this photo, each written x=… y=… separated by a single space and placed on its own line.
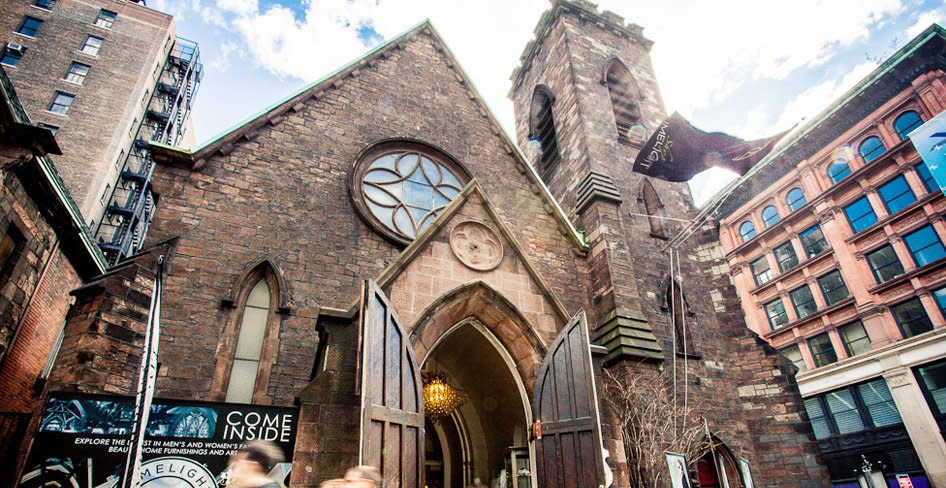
x=625 y=100
x=717 y=467
x=266 y=274
x=284 y=301
x=542 y=129
x=681 y=316
x=494 y=312
x=652 y=207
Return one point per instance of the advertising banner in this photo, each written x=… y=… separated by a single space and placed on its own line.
x=83 y=440
x=930 y=141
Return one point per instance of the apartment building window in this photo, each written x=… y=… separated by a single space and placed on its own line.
x=61 y=103
x=803 y=301
x=940 y=296
x=838 y=170
x=746 y=230
x=911 y=317
x=77 y=73
x=821 y=350
x=896 y=194
x=924 y=245
x=906 y=122
x=924 y=173
x=92 y=45
x=770 y=216
x=813 y=241
x=860 y=214
x=10 y=56
x=104 y=196
x=871 y=148
x=29 y=26
x=795 y=199
x=49 y=127
x=793 y=354
x=884 y=264
x=45 y=4
x=786 y=257
x=932 y=379
x=105 y=19
x=832 y=287
x=775 y=310
x=854 y=338
x=761 y=271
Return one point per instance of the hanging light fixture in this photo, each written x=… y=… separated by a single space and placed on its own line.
x=440 y=399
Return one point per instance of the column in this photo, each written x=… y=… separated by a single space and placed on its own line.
x=919 y=422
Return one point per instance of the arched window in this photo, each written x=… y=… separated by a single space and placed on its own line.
x=770 y=216
x=625 y=99
x=543 y=130
x=249 y=343
x=652 y=207
x=746 y=230
x=906 y=122
x=871 y=148
x=680 y=313
x=795 y=199
x=838 y=170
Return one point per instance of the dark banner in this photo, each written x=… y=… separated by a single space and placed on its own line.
x=83 y=439
x=677 y=151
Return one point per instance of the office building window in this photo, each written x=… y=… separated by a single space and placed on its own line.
x=795 y=199
x=11 y=56
x=911 y=317
x=940 y=296
x=860 y=214
x=854 y=338
x=821 y=350
x=852 y=409
x=832 y=287
x=820 y=423
x=813 y=241
x=879 y=403
x=45 y=4
x=77 y=73
x=793 y=354
x=761 y=271
x=746 y=230
x=896 y=194
x=105 y=19
x=770 y=216
x=92 y=45
x=775 y=310
x=61 y=103
x=924 y=245
x=884 y=263
x=906 y=122
x=803 y=301
x=871 y=148
x=786 y=257
x=932 y=379
x=29 y=26
x=843 y=409
x=838 y=170
x=924 y=173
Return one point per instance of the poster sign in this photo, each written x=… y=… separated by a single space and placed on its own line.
x=83 y=441
x=746 y=473
x=904 y=481
x=930 y=141
x=679 y=475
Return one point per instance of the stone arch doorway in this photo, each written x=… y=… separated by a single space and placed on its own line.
x=489 y=432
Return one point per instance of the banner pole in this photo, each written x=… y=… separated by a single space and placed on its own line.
x=148 y=372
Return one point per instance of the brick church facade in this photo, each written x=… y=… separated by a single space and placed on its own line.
x=491 y=267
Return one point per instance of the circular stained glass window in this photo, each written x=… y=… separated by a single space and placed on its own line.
x=404 y=189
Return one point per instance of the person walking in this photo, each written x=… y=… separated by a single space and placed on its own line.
x=251 y=463
x=363 y=477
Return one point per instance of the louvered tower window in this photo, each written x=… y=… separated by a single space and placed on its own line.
x=624 y=102
x=543 y=130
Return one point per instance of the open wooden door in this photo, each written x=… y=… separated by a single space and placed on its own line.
x=568 y=454
x=392 y=406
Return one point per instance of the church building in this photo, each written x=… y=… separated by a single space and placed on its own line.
x=377 y=242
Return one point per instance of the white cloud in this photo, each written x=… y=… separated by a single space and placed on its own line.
x=816 y=98
x=925 y=19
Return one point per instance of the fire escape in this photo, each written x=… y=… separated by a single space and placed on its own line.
x=131 y=207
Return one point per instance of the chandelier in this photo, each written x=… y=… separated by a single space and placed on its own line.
x=440 y=399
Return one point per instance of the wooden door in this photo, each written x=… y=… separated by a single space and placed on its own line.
x=569 y=453
x=392 y=406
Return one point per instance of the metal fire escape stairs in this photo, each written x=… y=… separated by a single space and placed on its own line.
x=131 y=206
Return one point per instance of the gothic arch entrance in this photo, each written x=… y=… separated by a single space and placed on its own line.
x=490 y=430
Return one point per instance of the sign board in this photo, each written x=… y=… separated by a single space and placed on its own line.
x=904 y=481
x=930 y=141
x=83 y=439
x=679 y=474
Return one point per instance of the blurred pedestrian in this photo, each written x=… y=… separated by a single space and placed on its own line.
x=334 y=483
x=363 y=477
x=477 y=484
x=252 y=462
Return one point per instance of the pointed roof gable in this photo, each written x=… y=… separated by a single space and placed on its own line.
x=248 y=129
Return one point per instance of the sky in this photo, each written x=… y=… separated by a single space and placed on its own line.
x=746 y=67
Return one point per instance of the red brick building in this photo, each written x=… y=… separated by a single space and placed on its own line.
x=528 y=282
x=836 y=249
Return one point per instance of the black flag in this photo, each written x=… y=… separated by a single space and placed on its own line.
x=676 y=151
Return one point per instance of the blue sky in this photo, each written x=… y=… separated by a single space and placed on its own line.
x=747 y=67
